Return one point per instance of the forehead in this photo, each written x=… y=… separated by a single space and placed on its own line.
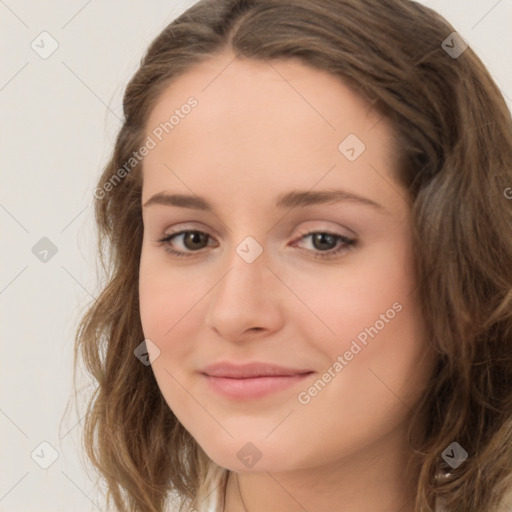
x=261 y=123
x=227 y=85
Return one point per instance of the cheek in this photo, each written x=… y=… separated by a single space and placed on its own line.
x=167 y=314
x=356 y=300
x=377 y=380
x=377 y=328
x=375 y=385
x=166 y=295
x=172 y=303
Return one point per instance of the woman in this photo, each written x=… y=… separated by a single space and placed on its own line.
x=263 y=370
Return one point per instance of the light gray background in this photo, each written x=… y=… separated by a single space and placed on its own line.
x=59 y=121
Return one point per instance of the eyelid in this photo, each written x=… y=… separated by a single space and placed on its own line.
x=303 y=231
x=347 y=242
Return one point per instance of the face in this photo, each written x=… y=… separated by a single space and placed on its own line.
x=284 y=324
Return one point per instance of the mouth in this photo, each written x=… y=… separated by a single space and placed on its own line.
x=252 y=380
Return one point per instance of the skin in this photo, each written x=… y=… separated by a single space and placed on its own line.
x=259 y=130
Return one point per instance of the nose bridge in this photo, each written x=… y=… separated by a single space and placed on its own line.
x=247 y=272
x=243 y=299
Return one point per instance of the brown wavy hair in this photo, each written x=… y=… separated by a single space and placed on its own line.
x=455 y=137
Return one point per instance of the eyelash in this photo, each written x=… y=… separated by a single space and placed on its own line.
x=348 y=243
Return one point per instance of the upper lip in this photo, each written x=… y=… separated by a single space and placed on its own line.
x=248 y=370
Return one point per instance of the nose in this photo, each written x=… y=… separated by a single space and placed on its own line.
x=246 y=301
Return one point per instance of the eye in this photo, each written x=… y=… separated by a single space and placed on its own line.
x=192 y=240
x=324 y=243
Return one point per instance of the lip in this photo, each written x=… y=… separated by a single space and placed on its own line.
x=251 y=380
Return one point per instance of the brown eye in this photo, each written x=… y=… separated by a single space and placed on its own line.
x=324 y=243
x=191 y=241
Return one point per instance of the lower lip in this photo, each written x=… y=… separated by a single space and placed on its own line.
x=255 y=387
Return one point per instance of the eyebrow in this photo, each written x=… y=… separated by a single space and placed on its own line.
x=293 y=199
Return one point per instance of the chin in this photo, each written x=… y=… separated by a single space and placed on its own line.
x=246 y=453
